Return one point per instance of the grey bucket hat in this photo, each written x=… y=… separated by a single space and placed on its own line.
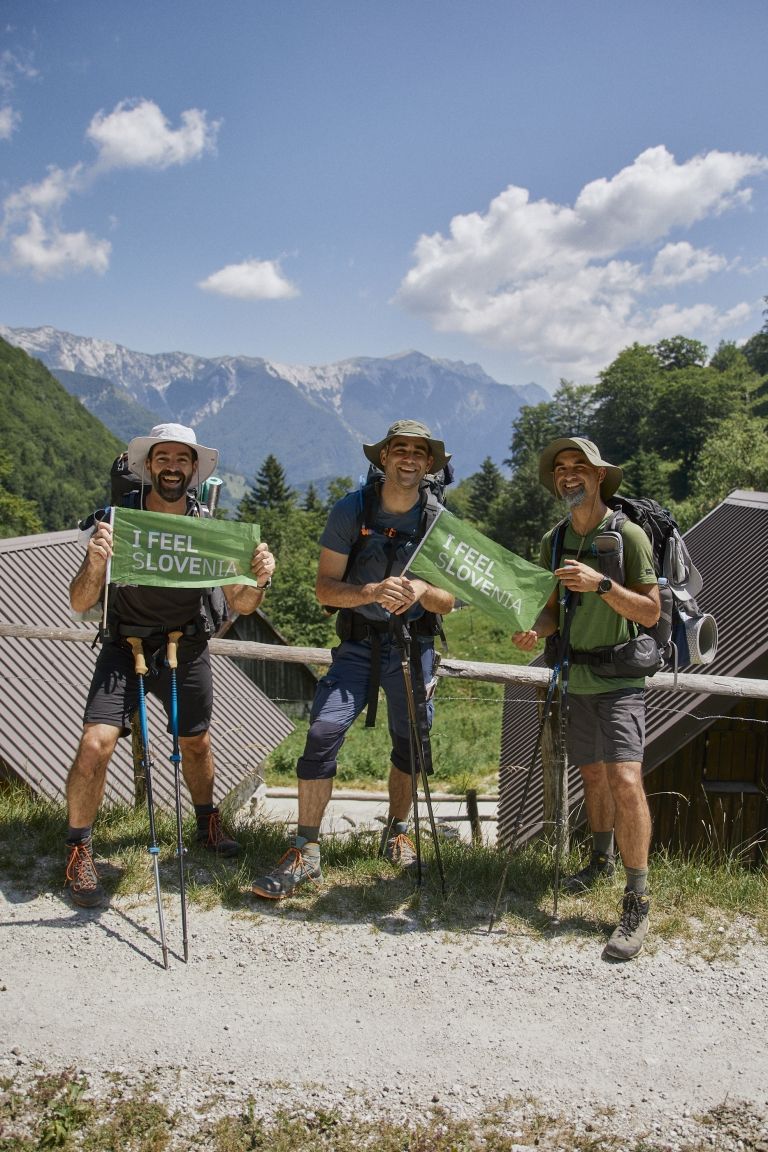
x=613 y=474
x=409 y=428
x=140 y=447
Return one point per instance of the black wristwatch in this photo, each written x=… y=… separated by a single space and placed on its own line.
x=263 y=587
x=604 y=586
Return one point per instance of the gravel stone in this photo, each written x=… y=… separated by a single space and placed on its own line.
x=352 y=1017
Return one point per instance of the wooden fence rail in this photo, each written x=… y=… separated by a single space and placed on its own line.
x=453 y=669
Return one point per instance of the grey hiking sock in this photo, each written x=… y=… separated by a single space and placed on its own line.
x=307 y=833
x=79 y=835
x=602 y=842
x=637 y=880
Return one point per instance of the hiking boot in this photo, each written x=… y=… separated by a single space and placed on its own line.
x=400 y=851
x=82 y=879
x=600 y=867
x=627 y=940
x=212 y=837
x=293 y=868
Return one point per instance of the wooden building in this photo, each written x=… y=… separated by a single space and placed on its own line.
x=290 y=686
x=706 y=758
x=45 y=684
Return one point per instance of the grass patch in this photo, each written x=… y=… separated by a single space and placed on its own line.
x=705 y=900
x=66 y=1112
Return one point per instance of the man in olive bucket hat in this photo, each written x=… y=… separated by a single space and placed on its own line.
x=169 y=462
x=368 y=589
x=605 y=733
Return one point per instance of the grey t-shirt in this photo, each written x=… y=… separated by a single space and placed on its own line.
x=342 y=530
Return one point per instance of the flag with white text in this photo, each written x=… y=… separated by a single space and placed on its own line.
x=168 y=551
x=456 y=557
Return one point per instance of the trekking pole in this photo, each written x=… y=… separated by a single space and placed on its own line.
x=562 y=768
x=173 y=660
x=404 y=644
x=415 y=805
x=140 y=666
x=561 y=664
x=526 y=788
x=571 y=604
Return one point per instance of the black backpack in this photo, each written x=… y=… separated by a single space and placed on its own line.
x=432 y=497
x=683 y=634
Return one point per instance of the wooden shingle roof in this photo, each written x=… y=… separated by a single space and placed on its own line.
x=45 y=684
x=728 y=547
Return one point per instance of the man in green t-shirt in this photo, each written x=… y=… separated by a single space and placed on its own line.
x=605 y=732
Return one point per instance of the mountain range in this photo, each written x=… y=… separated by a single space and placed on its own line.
x=313 y=419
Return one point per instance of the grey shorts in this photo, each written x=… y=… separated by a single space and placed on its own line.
x=606 y=726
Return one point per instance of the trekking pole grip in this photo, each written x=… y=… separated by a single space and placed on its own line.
x=139 y=663
x=173 y=649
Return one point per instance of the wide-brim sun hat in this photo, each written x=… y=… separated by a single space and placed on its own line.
x=613 y=474
x=409 y=428
x=140 y=447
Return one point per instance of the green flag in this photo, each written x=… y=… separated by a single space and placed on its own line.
x=180 y=551
x=458 y=558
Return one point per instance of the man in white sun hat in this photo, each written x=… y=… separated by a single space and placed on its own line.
x=169 y=463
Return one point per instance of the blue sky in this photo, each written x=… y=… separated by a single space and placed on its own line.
x=527 y=185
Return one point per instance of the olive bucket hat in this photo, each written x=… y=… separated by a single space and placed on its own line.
x=409 y=428
x=140 y=447
x=613 y=474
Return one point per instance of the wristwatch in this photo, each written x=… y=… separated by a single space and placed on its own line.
x=604 y=586
x=263 y=587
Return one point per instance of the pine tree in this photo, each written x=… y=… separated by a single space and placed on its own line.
x=269 y=492
x=485 y=486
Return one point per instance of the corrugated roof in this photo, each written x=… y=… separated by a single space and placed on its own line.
x=728 y=547
x=45 y=684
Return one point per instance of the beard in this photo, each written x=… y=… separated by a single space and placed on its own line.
x=574 y=497
x=170 y=486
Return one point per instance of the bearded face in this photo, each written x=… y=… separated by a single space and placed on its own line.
x=171 y=468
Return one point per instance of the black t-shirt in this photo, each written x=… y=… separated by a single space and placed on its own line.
x=167 y=609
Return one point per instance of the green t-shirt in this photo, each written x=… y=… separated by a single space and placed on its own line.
x=594 y=623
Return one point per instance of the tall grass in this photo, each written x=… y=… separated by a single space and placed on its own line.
x=706 y=900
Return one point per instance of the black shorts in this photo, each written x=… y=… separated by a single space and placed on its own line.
x=114 y=694
x=606 y=726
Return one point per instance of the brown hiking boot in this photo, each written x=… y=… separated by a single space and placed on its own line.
x=212 y=837
x=82 y=879
x=401 y=851
x=294 y=867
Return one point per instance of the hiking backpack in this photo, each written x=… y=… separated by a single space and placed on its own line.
x=432 y=497
x=684 y=634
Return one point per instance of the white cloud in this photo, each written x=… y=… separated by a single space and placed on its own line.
x=9 y=122
x=251 y=280
x=570 y=285
x=46 y=252
x=12 y=64
x=681 y=263
x=137 y=135
x=49 y=195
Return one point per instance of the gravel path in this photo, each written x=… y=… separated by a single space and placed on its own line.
x=388 y=1017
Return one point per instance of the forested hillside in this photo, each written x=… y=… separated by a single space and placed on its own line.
x=111 y=405
x=54 y=456
x=686 y=427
